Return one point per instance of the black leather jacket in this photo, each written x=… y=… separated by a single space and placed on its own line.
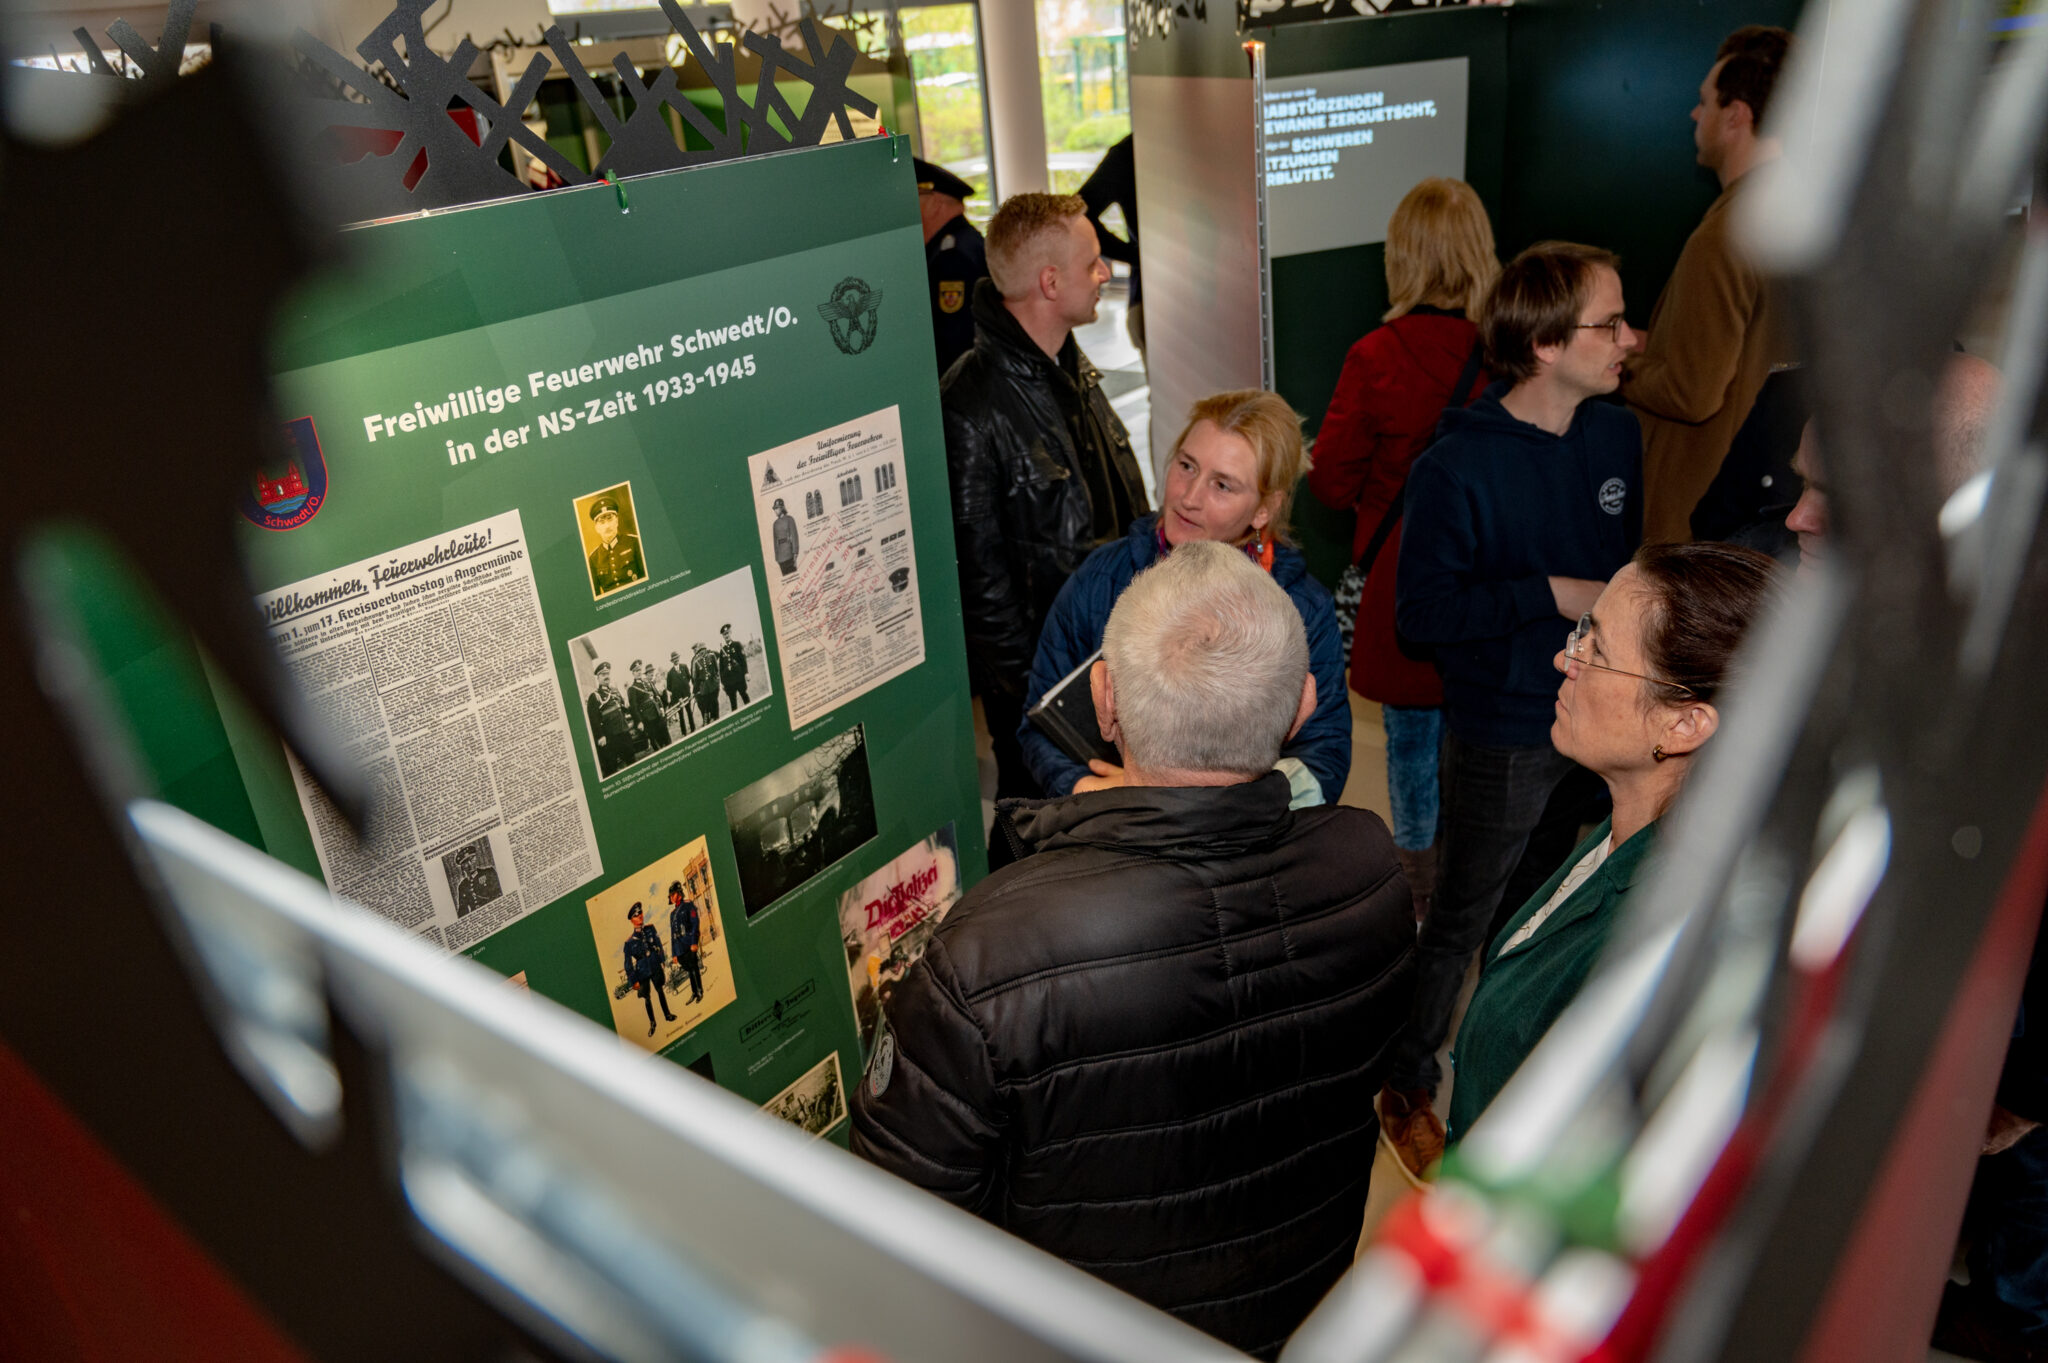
x=1042 y=473
x=1151 y=1048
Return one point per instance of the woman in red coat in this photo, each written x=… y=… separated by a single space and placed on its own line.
x=1396 y=382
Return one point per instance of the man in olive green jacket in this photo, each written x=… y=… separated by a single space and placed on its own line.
x=1712 y=338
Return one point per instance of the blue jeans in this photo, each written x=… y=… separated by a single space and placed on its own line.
x=1415 y=737
x=1504 y=834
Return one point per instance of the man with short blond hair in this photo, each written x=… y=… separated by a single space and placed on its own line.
x=1042 y=471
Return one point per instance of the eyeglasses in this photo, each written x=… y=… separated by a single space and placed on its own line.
x=1575 y=642
x=1612 y=326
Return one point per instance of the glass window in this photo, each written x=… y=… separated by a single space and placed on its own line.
x=1086 y=85
x=944 y=43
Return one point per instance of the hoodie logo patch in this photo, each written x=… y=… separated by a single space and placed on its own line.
x=1612 y=493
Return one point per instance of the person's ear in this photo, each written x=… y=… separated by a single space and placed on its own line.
x=1269 y=507
x=1049 y=283
x=1693 y=725
x=1307 y=706
x=1739 y=115
x=1104 y=695
x=1548 y=354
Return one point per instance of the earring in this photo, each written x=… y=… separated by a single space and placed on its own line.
x=1657 y=754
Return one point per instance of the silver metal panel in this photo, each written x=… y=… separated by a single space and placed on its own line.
x=1197 y=196
x=607 y=1200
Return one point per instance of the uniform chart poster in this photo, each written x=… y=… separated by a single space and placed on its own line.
x=432 y=660
x=842 y=571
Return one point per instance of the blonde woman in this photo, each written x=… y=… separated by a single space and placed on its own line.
x=1397 y=381
x=1231 y=476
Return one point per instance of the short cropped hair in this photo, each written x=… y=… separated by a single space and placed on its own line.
x=1206 y=654
x=1439 y=245
x=1536 y=301
x=1272 y=429
x=1754 y=55
x=1021 y=239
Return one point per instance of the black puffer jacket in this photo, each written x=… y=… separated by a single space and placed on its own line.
x=1152 y=1047
x=1042 y=472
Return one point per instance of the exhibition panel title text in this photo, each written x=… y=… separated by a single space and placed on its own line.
x=1307 y=134
x=430 y=416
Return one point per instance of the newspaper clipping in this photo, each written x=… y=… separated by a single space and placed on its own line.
x=433 y=663
x=886 y=919
x=836 y=550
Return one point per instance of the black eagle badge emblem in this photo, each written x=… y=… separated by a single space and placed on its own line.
x=852 y=312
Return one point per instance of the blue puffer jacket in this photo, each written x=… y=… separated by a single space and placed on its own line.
x=1073 y=630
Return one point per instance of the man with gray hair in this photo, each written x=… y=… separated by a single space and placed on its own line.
x=1151 y=1046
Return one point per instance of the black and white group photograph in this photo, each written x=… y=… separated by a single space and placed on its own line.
x=663 y=673
x=802 y=817
x=816 y=1102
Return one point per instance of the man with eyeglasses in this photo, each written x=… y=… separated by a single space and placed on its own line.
x=1530 y=499
x=1712 y=337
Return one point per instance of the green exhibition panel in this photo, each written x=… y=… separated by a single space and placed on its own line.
x=611 y=529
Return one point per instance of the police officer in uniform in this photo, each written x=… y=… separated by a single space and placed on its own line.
x=679 y=690
x=645 y=703
x=645 y=969
x=609 y=724
x=732 y=669
x=682 y=937
x=953 y=257
x=616 y=561
x=704 y=682
x=478 y=886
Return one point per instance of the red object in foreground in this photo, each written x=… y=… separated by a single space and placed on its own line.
x=353 y=144
x=92 y=1268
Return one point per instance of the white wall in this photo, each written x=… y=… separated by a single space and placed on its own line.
x=1016 y=108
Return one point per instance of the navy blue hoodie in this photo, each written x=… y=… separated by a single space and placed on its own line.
x=1494 y=509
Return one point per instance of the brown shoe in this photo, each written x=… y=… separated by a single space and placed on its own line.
x=1413 y=1129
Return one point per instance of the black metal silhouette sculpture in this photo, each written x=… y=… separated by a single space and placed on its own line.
x=410 y=92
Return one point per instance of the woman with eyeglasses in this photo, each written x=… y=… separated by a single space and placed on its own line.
x=1642 y=673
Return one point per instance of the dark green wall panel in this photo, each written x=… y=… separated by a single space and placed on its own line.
x=1599 y=144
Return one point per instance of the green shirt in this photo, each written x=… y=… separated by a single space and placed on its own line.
x=1523 y=989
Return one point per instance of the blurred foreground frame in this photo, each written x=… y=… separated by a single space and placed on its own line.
x=238 y=1119
x=1770 y=1097
x=135 y=391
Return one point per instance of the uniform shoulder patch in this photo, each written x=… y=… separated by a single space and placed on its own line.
x=952 y=294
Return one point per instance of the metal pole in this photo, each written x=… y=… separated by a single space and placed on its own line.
x=1255 y=52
